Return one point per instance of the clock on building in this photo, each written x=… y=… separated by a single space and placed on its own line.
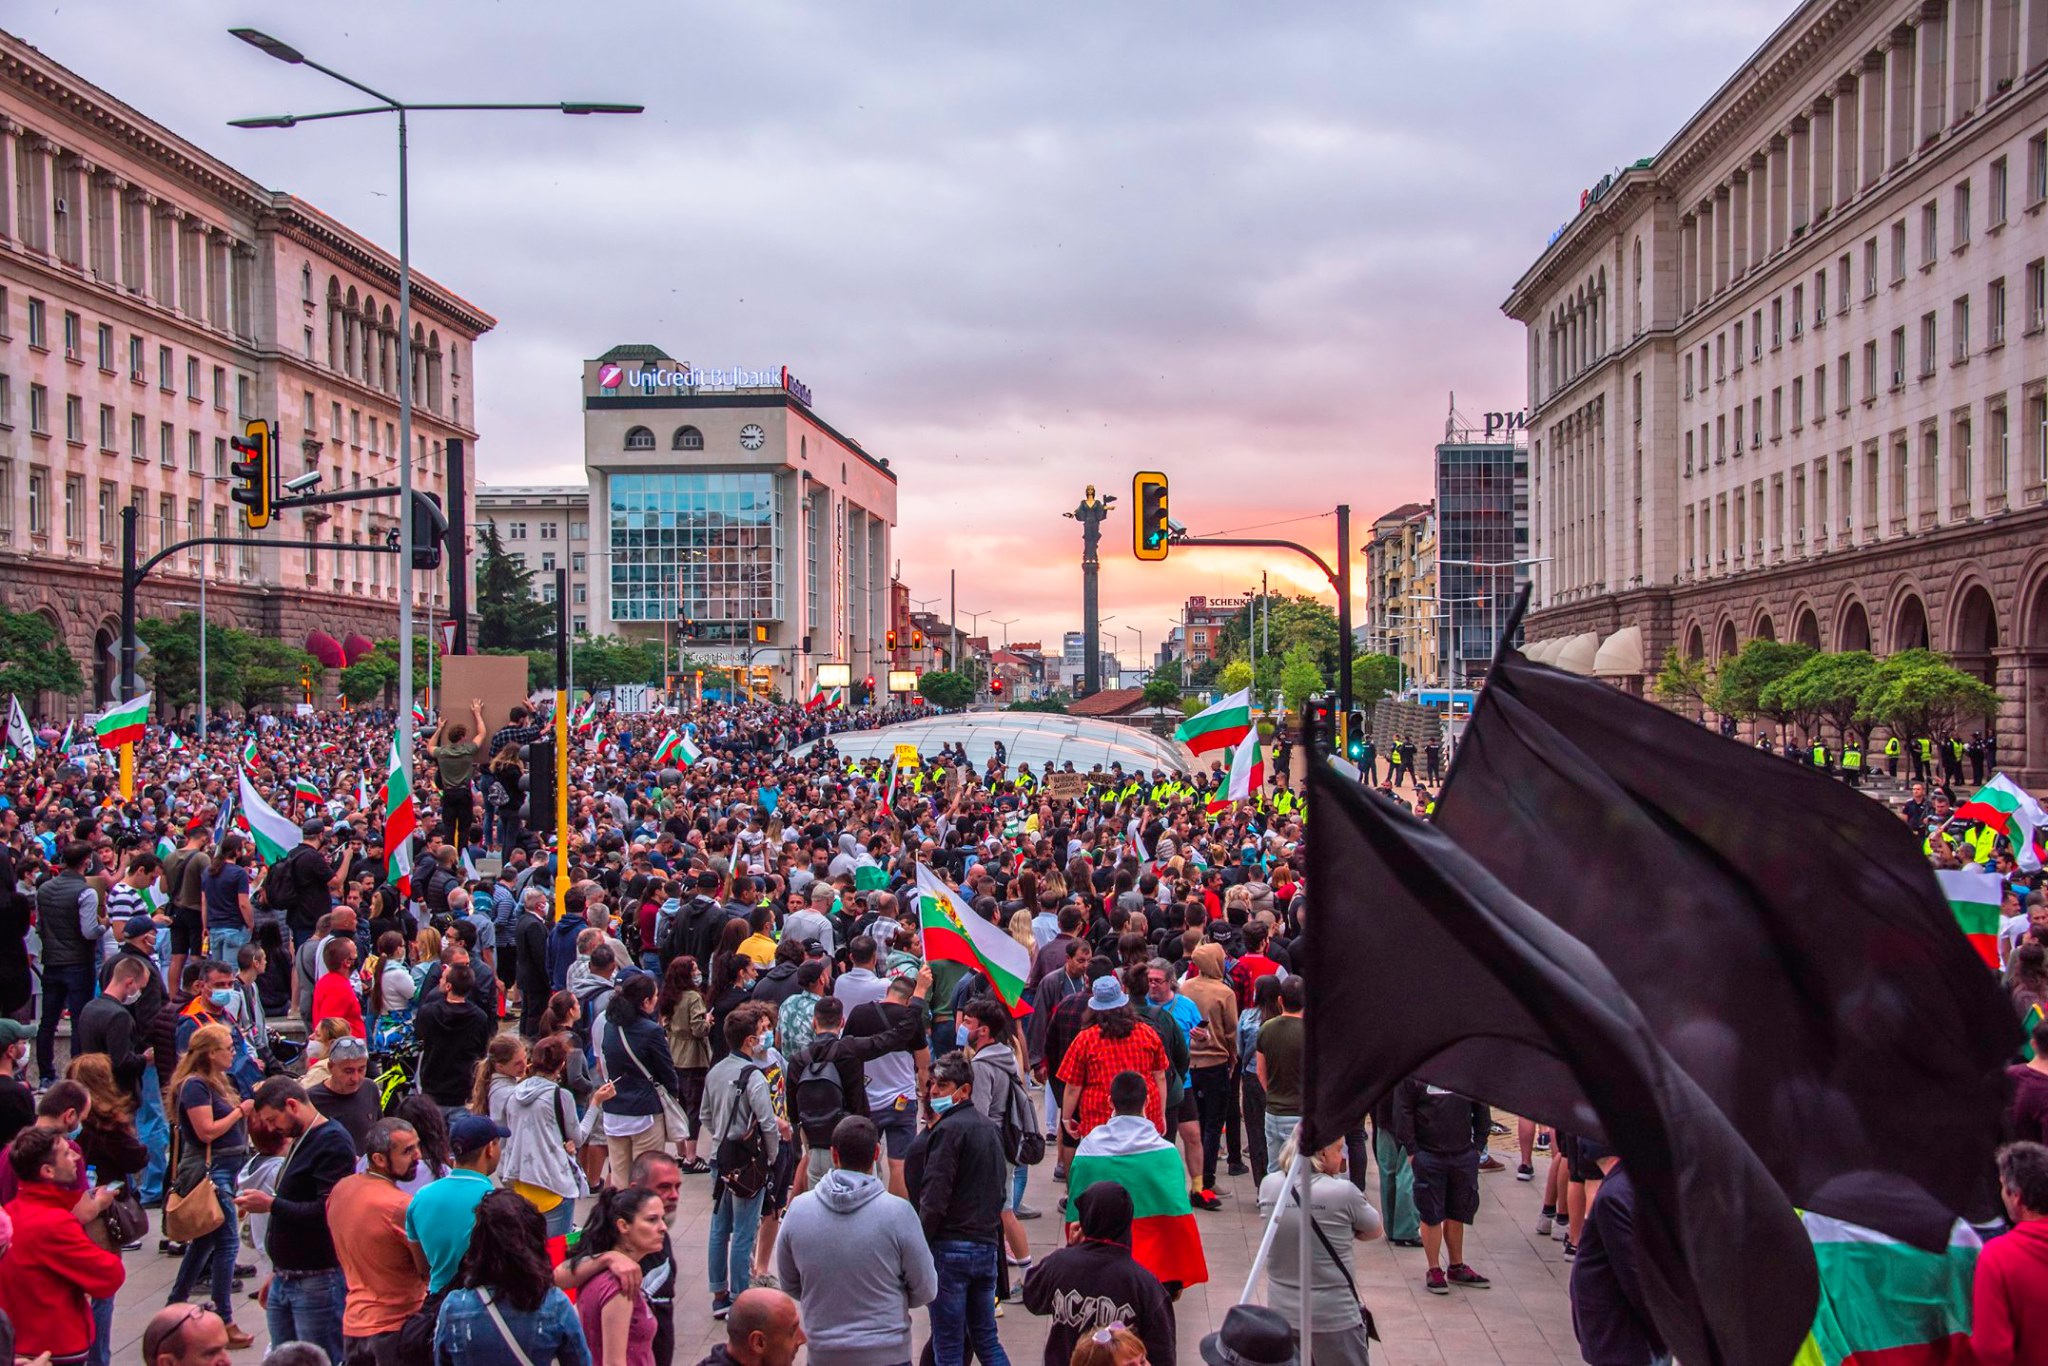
x=752 y=437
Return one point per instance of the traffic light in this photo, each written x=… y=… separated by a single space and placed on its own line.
x=537 y=787
x=306 y=683
x=1354 y=735
x=1149 y=530
x=429 y=528
x=890 y=637
x=995 y=687
x=686 y=628
x=867 y=691
x=760 y=635
x=917 y=640
x=1321 y=713
x=256 y=475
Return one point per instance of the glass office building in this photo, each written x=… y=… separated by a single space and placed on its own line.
x=1482 y=502
x=701 y=546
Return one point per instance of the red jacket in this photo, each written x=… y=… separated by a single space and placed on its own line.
x=52 y=1273
x=2009 y=1325
x=334 y=997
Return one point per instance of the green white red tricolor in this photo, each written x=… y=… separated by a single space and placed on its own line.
x=953 y=933
x=123 y=723
x=1221 y=726
x=275 y=834
x=2011 y=810
x=400 y=821
x=1244 y=776
x=1885 y=1303
x=1164 y=1238
x=1973 y=895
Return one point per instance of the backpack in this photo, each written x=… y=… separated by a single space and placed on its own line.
x=818 y=1098
x=742 y=1157
x=1023 y=1143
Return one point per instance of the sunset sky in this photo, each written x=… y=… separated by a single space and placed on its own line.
x=1017 y=249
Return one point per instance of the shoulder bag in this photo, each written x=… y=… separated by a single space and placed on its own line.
x=196 y=1212
x=671 y=1113
x=1372 y=1330
x=497 y=1319
x=742 y=1157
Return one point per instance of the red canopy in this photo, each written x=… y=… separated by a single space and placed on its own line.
x=355 y=645
x=326 y=649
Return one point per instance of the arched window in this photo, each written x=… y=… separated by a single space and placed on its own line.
x=687 y=439
x=639 y=439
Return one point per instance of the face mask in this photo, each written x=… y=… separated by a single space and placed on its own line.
x=941 y=1104
x=74 y=1131
x=960 y=1035
x=223 y=999
x=766 y=1041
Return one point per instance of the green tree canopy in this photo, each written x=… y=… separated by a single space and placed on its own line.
x=1232 y=677
x=1056 y=703
x=1918 y=692
x=34 y=658
x=606 y=662
x=509 y=614
x=369 y=679
x=1683 y=681
x=1287 y=623
x=271 y=671
x=1826 y=687
x=1374 y=676
x=172 y=664
x=944 y=688
x=1739 y=688
x=1299 y=676
x=1162 y=690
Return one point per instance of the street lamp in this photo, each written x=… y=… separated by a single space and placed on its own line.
x=290 y=55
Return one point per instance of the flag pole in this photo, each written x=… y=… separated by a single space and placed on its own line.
x=1272 y=1231
x=1304 y=1174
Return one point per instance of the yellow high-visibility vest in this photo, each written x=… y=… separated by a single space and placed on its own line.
x=1852 y=758
x=1891 y=748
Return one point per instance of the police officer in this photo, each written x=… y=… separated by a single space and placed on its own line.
x=1923 y=758
x=1892 y=750
x=1852 y=760
x=1822 y=760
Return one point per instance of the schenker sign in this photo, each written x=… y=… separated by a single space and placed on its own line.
x=702 y=379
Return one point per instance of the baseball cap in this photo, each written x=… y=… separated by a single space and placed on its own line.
x=13 y=1032
x=472 y=1133
x=137 y=926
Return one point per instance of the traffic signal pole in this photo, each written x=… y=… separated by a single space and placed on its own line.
x=562 y=701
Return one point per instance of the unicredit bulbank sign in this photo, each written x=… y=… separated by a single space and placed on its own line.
x=686 y=376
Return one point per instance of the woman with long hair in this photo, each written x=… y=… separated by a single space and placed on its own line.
x=506 y=1270
x=684 y=1014
x=637 y=1062
x=1116 y=1040
x=732 y=982
x=620 y=1327
x=389 y=1001
x=212 y=1142
x=426 y=951
x=2029 y=981
x=1020 y=930
x=107 y=1136
x=498 y=1071
x=539 y=1160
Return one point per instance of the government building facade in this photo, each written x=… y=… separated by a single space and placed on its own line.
x=1788 y=377
x=152 y=300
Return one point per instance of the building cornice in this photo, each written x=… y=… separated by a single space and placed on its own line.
x=630 y=402
x=306 y=225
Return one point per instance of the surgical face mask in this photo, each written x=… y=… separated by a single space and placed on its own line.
x=765 y=1042
x=74 y=1131
x=224 y=999
x=941 y=1104
x=960 y=1034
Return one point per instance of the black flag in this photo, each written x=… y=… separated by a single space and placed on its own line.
x=1420 y=962
x=1780 y=932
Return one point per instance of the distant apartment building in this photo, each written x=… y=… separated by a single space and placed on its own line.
x=544 y=528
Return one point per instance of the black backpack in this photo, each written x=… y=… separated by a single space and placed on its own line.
x=1023 y=1143
x=742 y=1157
x=818 y=1098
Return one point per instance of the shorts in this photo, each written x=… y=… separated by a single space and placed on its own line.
x=775 y=1195
x=1187 y=1112
x=1446 y=1187
x=896 y=1127
x=1580 y=1167
x=188 y=928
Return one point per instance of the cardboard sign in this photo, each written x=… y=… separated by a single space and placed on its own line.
x=499 y=681
x=906 y=756
x=1067 y=785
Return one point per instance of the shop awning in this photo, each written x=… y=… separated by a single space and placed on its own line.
x=1578 y=653
x=1620 y=655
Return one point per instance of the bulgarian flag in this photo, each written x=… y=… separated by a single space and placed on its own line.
x=1164 y=1238
x=327 y=749
x=419 y=713
x=668 y=742
x=586 y=718
x=165 y=847
x=2011 y=810
x=825 y=699
x=685 y=752
x=275 y=834
x=249 y=756
x=1884 y=1303
x=1222 y=726
x=19 y=736
x=177 y=741
x=1243 y=776
x=1974 y=895
x=305 y=790
x=400 y=821
x=953 y=933
x=2030 y=1022
x=123 y=723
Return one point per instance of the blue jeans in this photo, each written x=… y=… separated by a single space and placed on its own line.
x=64 y=988
x=306 y=1307
x=734 y=1226
x=223 y=945
x=965 y=1307
x=101 y=1351
x=219 y=1248
x=1018 y=1179
x=154 y=1129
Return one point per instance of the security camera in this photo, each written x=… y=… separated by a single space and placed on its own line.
x=1176 y=528
x=303 y=483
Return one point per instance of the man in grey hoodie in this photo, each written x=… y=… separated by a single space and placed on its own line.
x=855 y=1258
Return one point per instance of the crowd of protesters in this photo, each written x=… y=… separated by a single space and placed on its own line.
x=473 y=1138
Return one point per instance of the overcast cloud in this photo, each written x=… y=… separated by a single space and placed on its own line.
x=1015 y=248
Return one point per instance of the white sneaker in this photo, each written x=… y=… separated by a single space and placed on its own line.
x=1543 y=1222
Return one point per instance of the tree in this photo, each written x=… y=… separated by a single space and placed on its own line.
x=1235 y=676
x=271 y=671
x=369 y=679
x=1919 y=693
x=172 y=664
x=509 y=614
x=1299 y=676
x=1056 y=703
x=1683 y=680
x=607 y=661
x=1162 y=690
x=1738 y=690
x=1287 y=622
x=1826 y=687
x=1374 y=676
x=944 y=688
x=34 y=658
